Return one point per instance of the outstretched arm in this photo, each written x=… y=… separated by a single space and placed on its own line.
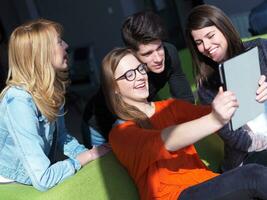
x=178 y=136
x=179 y=85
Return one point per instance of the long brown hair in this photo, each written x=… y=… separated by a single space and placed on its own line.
x=203 y=16
x=30 y=52
x=114 y=100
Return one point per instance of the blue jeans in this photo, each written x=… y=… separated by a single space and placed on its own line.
x=247 y=183
x=96 y=138
x=91 y=136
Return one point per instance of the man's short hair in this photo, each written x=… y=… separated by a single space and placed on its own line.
x=142 y=28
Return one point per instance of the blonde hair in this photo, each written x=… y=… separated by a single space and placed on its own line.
x=30 y=52
x=114 y=100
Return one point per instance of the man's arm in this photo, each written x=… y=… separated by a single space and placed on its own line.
x=179 y=85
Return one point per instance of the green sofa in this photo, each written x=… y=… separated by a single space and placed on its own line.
x=102 y=179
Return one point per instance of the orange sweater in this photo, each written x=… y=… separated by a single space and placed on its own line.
x=158 y=173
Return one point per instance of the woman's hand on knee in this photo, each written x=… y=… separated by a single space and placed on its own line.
x=93 y=154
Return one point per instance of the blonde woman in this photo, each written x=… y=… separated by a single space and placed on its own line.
x=31 y=108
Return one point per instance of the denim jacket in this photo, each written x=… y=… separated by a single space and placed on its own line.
x=28 y=142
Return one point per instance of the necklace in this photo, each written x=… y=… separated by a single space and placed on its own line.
x=149 y=109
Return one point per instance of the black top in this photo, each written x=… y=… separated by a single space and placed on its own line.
x=98 y=116
x=173 y=74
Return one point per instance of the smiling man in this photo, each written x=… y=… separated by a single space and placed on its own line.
x=144 y=32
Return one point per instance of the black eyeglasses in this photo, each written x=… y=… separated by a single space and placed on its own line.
x=131 y=74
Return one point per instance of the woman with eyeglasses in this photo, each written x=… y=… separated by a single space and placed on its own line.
x=154 y=140
x=144 y=32
x=131 y=74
